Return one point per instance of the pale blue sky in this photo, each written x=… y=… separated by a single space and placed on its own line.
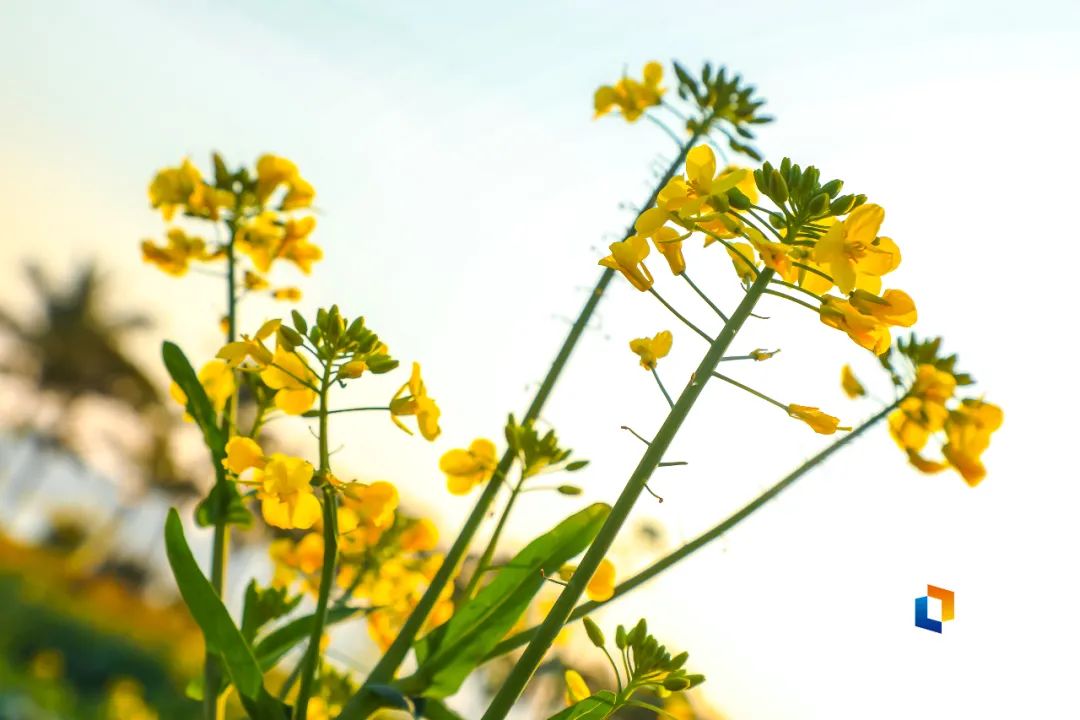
x=465 y=196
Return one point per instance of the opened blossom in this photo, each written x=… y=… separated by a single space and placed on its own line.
x=465 y=469
x=601 y=586
x=412 y=399
x=178 y=252
x=853 y=254
x=821 y=422
x=649 y=350
x=293 y=379
x=218 y=382
x=865 y=330
x=850 y=384
x=628 y=258
x=631 y=97
x=894 y=307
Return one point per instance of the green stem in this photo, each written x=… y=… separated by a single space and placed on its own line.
x=523 y=671
x=329 y=566
x=212 y=669
x=493 y=542
x=704 y=297
x=515 y=641
x=679 y=315
x=362 y=703
x=751 y=390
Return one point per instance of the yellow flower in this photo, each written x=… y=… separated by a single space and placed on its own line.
x=287 y=294
x=669 y=242
x=968 y=431
x=465 y=469
x=923 y=464
x=179 y=250
x=851 y=385
x=255 y=282
x=774 y=255
x=631 y=97
x=932 y=384
x=852 y=252
x=172 y=187
x=742 y=255
x=602 y=584
x=421 y=536
x=290 y=376
x=821 y=423
x=374 y=505
x=866 y=331
x=576 y=687
x=242 y=453
x=261 y=239
x=317 y=709
x=761 y=355
x=689 y=195
x=207 y=201
x=912 y=424
x=649 y=350
x=295 y=245
x=300 y=194
x=217 y=380
x=287 y=497
x=894 y=307
x=628 y=258
x=416 y=403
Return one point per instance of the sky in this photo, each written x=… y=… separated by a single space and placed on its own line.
x=465 y=195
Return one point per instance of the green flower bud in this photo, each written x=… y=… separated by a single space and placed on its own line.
x=569 y=490
x=842 y=205
x=738 y=200
x=695 y=680
x=818 y=205
x=776 y=220
x=676 y=683
x=637 y=634
x=596 y=635
x=833 y=187
x=299 y=322
x=679 y=660
x=291 y=337
x=778 y=187
x=620 y=637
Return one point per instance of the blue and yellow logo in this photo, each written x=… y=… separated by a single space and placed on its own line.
x=922 y=608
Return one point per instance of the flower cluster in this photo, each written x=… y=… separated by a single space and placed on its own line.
x=631 y=97
x=266 y=213
x=932 y=412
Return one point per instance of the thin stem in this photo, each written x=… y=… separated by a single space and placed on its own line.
x=493 y=541
x=801 y=289
x=329 y=565
x=733 y=249
x=533 y=655
x=677 y=314
x=797 y=301
x=704 y=297
x=768 y=226
x=663 y=126
x=614 y=669
x=751 y=390
x=635 y=581
x=361 y=704
x=355 y=409
x=670 y=402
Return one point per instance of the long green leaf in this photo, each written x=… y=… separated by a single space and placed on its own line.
x=198 y=404
x=434 y=709
x=220 y=632
x=595 y=707
x=447 y=655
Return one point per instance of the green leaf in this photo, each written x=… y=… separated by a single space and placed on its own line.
x=207 y=512
x=198 y=404
x=263 y=605
x=273 y=647
x=595 y=707
x=447 y=654
x=220 y=632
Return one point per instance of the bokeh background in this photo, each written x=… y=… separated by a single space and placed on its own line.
x=464 y=197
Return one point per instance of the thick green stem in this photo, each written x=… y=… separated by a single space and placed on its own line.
x=329 y=566
x=515 y=641
x=212 y=669
x=361 y=704
x=545 y=635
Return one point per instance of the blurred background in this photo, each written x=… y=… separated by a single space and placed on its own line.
x=464 y=197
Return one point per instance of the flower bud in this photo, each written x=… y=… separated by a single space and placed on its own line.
x=569 y=490
x=291 y=337
x=596 y=635
x=778 y=189
x=299 y=322
x=818 y=204
x=738 y=200
x=676 y=683
x=620 y=637
x=842 y=205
